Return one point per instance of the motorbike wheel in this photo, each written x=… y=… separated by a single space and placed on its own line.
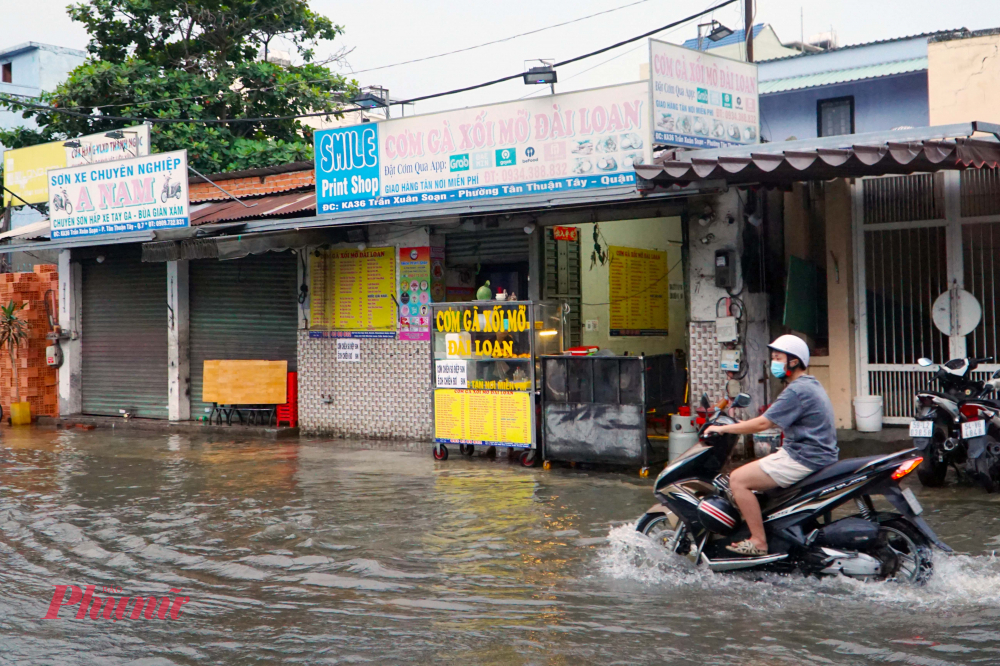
x=657 y=527
x=905 y=553
x=69 y=208
x=932 y=471
x=163 y=196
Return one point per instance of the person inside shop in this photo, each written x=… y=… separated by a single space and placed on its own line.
x=805 y=414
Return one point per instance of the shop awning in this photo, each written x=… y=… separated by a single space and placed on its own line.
x=268 y=206
x=905 y=151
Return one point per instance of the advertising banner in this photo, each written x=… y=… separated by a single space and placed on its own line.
x=701 y=100
x=138 y=194
x=25 y=168
x=559 y=143
x=414 y=293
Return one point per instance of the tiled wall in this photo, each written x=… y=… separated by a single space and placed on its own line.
x=386 y=395
x=704 y=365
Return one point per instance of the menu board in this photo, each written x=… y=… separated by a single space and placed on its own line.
x=639 y=291
x=351 y=291
x=483 y=417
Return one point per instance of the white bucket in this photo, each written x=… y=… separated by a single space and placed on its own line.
x=681 y=442
x=868 y=413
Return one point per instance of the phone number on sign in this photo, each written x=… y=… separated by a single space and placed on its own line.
x=525 y=173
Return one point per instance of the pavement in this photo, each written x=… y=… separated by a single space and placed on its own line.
x=156 y=425
x=854 y=444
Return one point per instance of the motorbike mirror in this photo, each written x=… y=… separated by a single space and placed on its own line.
x=996 y=375
x=742 y=400
x=925 y=362
x=704 y=401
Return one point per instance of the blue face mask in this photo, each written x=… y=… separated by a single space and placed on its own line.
x=778 y=369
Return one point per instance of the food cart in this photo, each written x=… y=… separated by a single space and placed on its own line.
x=484 y=365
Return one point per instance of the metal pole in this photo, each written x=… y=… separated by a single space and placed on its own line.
x=748 y=27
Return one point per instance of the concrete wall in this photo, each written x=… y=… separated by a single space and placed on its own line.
x=35 y=68
x=879 y=104
x=962 y=80
x=651 y=234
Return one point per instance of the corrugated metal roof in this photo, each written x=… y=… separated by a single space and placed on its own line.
x=842 y=76
x=282 y=204
x=737 y=37
x=925 y=150
x=877 y=42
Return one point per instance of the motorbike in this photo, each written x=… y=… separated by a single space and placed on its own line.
x=170 y=190
x=61 y=202
x=937 y=427
x=696 y=516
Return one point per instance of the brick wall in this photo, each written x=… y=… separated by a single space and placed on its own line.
x=385 y=396
x=252 y=186
x=37 y=381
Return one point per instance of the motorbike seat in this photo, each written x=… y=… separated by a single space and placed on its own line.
x=839 y=468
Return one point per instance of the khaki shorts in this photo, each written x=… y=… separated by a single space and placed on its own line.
x=782 y=469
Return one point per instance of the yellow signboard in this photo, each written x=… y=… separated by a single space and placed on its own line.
x=639 y=291
x=351 y=290
x=24 y=172
x=483 y=417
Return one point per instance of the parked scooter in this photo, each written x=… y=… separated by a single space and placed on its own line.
x=696 y=516
x=170 y=190
x=937 y=426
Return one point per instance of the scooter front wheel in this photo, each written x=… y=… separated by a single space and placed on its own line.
x=657 y=527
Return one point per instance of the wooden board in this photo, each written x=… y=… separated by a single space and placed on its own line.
x=246 y=382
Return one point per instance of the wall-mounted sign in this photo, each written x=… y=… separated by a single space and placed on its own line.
x=348 y=350
x=639 y=291
x=559 y=143
x=25 y=168
x=414 y=293
x=565 y=234
x=701 y=100
x=138 y=194
x=351 y=291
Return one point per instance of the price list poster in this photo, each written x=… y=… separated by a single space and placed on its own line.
x=639 y=292
x=351 y=290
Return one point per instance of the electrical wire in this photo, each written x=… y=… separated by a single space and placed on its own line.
x=455 y=91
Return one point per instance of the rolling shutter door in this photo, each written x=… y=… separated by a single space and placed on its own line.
x=489 y=246
x=124 y=337
x=242 y=309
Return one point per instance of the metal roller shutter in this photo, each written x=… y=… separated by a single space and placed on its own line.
x=489 y=246
x=243 y=309
x=124 y=337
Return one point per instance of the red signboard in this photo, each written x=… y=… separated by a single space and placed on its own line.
x=564 y=233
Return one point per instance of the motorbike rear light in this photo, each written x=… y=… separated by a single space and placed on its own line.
x=906 y=468
x=969 y=411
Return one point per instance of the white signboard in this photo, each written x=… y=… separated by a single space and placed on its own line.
x=348 y=350
x=451 y=374
x=556 y=143
x=701 y=100
x=95 y=148
x=138 y=194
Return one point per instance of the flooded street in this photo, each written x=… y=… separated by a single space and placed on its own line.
x=314 y=552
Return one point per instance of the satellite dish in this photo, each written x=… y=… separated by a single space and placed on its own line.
x=956 y=312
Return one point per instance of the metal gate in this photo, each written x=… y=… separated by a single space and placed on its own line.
x=243 y=309
x=124 y=337
x=917 y=237
x=562 y=283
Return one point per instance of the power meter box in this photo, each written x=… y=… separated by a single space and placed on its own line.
x=725 y=329
x=730 y=360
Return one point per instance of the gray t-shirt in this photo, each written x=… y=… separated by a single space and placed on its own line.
x=805 y=413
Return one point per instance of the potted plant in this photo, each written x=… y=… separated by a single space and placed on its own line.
x=14 y=331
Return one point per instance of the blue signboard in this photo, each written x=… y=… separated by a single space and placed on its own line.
x=347 y=166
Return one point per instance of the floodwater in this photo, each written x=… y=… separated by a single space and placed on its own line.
x=320 y=553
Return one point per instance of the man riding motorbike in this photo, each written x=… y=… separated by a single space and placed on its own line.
x=805 y=414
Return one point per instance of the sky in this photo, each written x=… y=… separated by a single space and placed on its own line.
x=385 y=32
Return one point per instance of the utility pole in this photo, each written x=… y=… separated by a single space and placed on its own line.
x=748 y=27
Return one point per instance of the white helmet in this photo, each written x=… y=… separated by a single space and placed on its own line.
x=794 y=345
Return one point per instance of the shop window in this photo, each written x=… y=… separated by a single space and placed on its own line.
x=8 y=73
x=835 y=116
